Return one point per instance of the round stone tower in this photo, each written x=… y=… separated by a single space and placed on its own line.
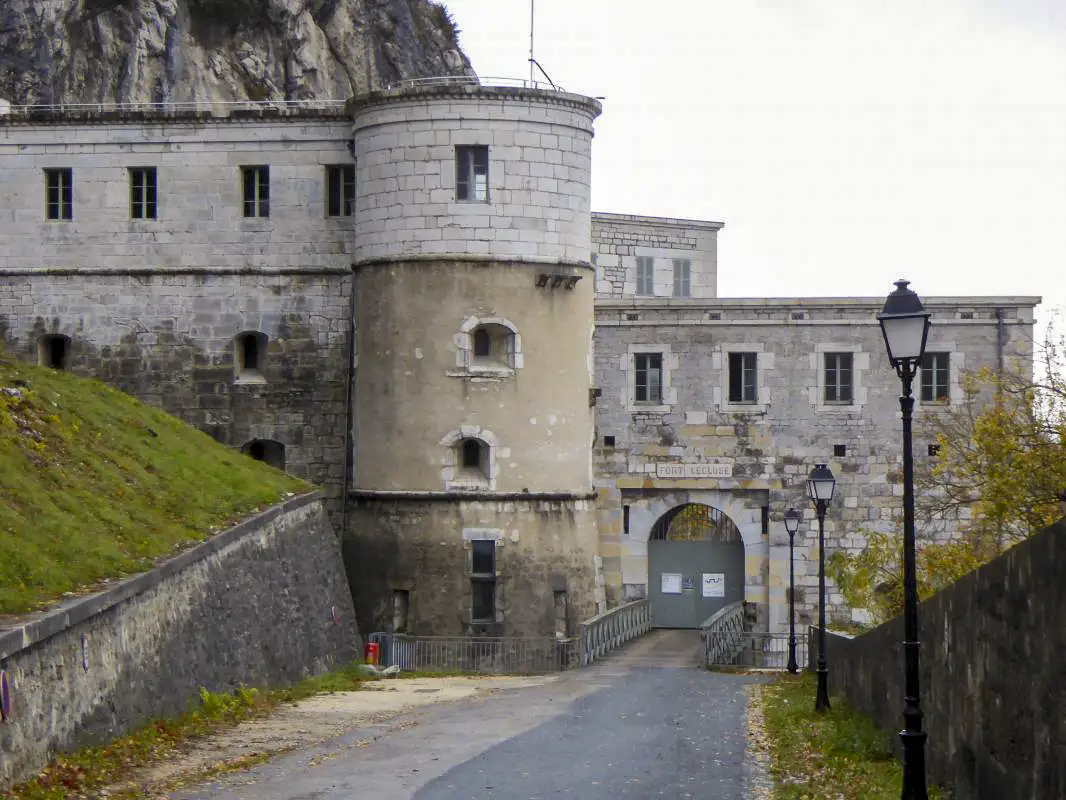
x=472 y=509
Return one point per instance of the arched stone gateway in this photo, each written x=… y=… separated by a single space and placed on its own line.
x=695 y=565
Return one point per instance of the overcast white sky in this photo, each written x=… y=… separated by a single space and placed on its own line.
x=844 y=144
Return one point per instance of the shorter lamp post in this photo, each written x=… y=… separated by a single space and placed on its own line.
x=820 y=485
x=792 y=521
x=905 y=325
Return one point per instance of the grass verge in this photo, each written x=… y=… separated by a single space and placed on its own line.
x=97 y=485
x=838 y=755
x=84 y=773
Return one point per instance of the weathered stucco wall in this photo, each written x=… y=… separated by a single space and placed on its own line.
x=993 y=649
x=543 y=547
x=265 y=602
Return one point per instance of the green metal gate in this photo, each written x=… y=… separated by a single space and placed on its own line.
x=695 y=566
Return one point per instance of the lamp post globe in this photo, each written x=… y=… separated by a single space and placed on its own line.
x=820 y=486
x=905 y=325
x=792 y=521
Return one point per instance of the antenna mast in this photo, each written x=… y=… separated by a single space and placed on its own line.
x=532 y=61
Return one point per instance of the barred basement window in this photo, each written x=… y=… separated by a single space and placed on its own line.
x=483 y=580
x=59 y=193
x=142 y=193
x=53 y=350
x=256 y=186
x=472 y=173
x=340 y=190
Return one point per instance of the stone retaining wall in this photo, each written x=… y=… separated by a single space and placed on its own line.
x=265 y=602
x=993 y=647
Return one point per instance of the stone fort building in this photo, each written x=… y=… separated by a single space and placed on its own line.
x=522 y=412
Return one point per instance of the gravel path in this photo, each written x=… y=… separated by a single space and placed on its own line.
x=645 y=723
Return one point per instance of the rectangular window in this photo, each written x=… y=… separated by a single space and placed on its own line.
x=59 y=193
x=472 y=173
x=340 y=190
x=648 y=385
x=483 y=580
x=142 y=193
x=743 y=387
x=256 y=191
x=935 y=375
x=838 y=378
x=645 y=276
x=401 y=602
x=682 y=277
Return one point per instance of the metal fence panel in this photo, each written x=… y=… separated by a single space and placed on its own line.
x=493 y=655
x=758 y=650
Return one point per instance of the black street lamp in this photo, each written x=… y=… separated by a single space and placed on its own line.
x=820 y=485
x=792 y=522
x=905 y=325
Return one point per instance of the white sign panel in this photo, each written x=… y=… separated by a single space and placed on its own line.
x=671 y=583
x=714 y=584
x=716 y=470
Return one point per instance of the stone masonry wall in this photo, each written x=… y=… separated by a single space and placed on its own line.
x=263 y=603
x=169 y=339
x=618 y=239
x=200 y=222
x=992 y=656
x=770 y=445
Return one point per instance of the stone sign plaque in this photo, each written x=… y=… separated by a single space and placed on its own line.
x=715 y=470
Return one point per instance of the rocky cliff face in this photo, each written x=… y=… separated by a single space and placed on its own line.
x=139 y=51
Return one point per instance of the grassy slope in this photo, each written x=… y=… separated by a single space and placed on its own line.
x=95 y=485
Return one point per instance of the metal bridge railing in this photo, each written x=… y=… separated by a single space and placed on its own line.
x=761 y=650
x=611 y=629
x=492 y=655
x=723 y=634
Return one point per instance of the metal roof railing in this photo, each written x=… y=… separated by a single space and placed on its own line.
x=474 y=80
x=213 y=106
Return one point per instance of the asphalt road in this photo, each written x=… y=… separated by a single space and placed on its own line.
x=646 y=723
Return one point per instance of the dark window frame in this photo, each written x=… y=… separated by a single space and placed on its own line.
x=744 y=378
x=144 y=193
x=838 y=371
x=59 y=194
x=472 y=163
x=648 y=378
x=340 y=190
x=483 y=573
x=255 y=188
x=935 y=377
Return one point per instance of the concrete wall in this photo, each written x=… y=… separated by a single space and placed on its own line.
x=768 y=447
x=619 y=239
x=263 y=603
x=543 y=546
x=992 y=656
x=539 y=147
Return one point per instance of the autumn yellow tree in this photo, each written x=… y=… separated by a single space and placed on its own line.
x=1000 y=473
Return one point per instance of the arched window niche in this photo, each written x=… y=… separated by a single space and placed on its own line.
x=53 y=350
x=249 y=357
x=468 y=460
x=488 y=347
x=268 y=451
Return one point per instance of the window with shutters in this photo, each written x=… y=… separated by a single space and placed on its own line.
x=645 y=276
